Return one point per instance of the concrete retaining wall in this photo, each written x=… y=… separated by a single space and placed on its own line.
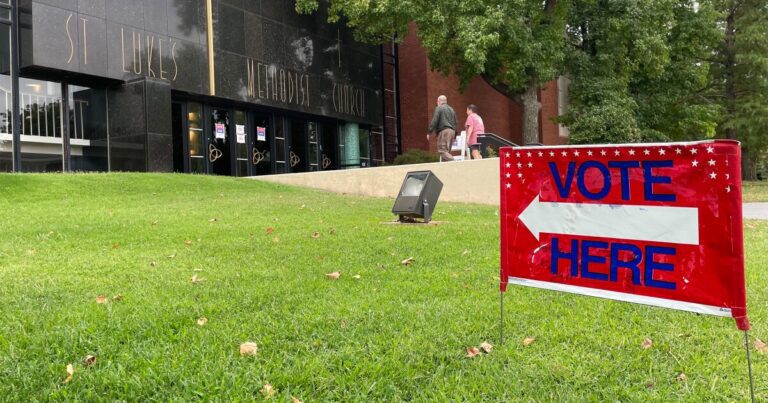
x=475 y=181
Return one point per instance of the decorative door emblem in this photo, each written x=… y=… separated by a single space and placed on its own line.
x=294 y=159
x=258 y=156
x=326 y=161
x=214 y=153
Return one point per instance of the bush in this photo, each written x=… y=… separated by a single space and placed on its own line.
x=415 y=156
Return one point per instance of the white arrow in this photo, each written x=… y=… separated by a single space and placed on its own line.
x=620 y=221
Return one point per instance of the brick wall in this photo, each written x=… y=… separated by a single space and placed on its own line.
x=420 y=87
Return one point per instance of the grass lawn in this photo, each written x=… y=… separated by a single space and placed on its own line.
x=755 y=191
x=261 y=251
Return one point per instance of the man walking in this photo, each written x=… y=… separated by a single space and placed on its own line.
x=444 y=125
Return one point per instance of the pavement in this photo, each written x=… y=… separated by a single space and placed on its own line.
x=755 y=211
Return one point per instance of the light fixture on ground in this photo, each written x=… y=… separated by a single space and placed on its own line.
x=417 y=197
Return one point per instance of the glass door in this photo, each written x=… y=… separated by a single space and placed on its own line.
x=261 y=159
x=242 y=166
x=220 y=141
x=298 y=145
x=196 y=138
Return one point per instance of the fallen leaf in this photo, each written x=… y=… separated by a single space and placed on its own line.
x=115 y=245
x=315 y=235
x=649 y=385
x=761 y=347
x=356 y=277
x=276 y=239
x=455 y=275
x=197 y=270
x=102 y=299
x=154 y=222
x=465 y=253
x=248 y=348
x=118 y=297
x=302 y=206
x=528 y=340
x=647 y=343
x=682 y=377
x=332 y=231
x=472 y=351
x=295 y=400
x=201 y=321
x=70 y=372
x=89 y=360
x=171 y=256
x=197 y=280
x=270 y=230
x=214 y=219
x=390 y=238
x=187 y=242
x=268 y=391
x=333 y=276
x=487 y=347
x=152 y=264
x=407 y=262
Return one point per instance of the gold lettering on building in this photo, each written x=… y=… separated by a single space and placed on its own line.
x=71 y=43
x=349 y=100
x=269 y=82
x=85 y=41
x=150 y=64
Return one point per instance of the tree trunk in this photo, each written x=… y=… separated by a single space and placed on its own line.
x=531 y=107
x=748 y=165
x=730 y=73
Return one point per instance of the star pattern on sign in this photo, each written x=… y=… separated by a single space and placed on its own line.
x=711 y=169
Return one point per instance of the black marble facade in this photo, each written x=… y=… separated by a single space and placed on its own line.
x=264 y=52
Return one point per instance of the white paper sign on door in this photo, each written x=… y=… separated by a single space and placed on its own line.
x=240 y=131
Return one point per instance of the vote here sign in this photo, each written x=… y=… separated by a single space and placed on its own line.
x=656 y=224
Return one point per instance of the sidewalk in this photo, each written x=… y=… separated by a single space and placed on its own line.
x=755 y=211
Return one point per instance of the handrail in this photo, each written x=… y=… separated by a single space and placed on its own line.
x=490 y=144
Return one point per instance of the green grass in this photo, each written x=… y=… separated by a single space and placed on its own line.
x=754 y=191
x=397 y=333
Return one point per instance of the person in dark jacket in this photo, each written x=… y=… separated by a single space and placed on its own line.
x=444 y=126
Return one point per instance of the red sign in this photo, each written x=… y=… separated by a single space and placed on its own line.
x=656 y=224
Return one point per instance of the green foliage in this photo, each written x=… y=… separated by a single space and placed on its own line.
x=398 y=333
x=637 y=71
x=415 y=156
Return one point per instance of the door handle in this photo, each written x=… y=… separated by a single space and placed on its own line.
x=214 y=153
x=294 y=159
x=258 y=156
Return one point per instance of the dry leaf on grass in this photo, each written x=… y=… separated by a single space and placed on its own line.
x=761 y=347
x=682 y=377
x=407 y=262
x=528 y=340
x=102 y=299
x=276 y=239
x=295 y=400
x=248 y=348
x=270 y=230
x=115 y=245
x=268 y=391
x=154 y=222
x=214 y=219
x=465 y=253
x=152 y=264
x=201 y=321
x=332 y=231
x=187 y=242
x=333 y=276
x=356 y=277
x=70 y=373
x=647 y=343
x=487 y=347
x=89 y=360
x=315 y=235
x=118 y=297
x=472 y=351
x=197 y=280
x=302 y=206
x=171 y=256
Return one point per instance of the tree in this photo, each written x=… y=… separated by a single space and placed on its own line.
x=740 y=78
x=514 y=45
x=638 y=71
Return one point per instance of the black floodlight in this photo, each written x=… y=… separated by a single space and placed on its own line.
x=418 y=196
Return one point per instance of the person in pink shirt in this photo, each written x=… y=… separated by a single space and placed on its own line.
x=474 y=126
